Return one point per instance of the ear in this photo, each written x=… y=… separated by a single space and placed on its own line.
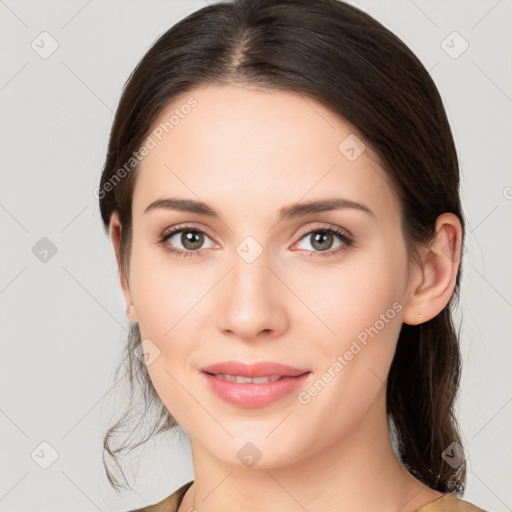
x=115 y=230
x=431 y=283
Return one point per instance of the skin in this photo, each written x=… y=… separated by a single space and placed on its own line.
x=248 y=153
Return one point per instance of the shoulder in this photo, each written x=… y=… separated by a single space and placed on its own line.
x=450 y=503
x=169 y=504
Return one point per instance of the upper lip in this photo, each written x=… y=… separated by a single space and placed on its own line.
x=260 y=369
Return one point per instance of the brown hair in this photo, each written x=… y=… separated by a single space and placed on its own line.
x=346 y=60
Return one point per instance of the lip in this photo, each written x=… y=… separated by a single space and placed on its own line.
x=253 y=395
x=260 y=369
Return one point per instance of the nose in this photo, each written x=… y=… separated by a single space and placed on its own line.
x=251 y=302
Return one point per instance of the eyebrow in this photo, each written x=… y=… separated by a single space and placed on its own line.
x=287 y=212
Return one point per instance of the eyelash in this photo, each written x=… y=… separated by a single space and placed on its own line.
x=347 y=240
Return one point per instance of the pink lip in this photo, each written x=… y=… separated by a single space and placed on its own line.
x=249 y=394
x=261 y=369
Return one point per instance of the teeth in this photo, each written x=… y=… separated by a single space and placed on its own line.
x=242 y=380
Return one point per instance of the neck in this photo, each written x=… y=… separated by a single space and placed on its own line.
x=359 y=473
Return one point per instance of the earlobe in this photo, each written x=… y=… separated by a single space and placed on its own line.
x=433 y=280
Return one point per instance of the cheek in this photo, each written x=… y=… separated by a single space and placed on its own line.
x=360 y=303
x=362 y=291
x=166 y=384
x=168 y=303
x=162 y=292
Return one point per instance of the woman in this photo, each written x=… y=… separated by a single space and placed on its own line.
x=281 y=191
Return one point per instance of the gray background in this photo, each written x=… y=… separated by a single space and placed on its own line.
x=63 y=320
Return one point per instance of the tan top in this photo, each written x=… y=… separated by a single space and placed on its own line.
x=446 y=503
x=450 y=503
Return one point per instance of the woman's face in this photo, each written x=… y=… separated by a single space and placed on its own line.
x=254 y=286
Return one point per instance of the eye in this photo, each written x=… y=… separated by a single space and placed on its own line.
x=323 y=238
x=191 y=239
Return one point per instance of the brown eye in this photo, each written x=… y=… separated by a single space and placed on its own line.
x=191 y=240
x=322 y=240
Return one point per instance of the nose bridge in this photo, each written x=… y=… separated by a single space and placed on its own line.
x=250 y=273
x=250 y=302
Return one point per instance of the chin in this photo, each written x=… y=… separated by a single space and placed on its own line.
x=256 y=452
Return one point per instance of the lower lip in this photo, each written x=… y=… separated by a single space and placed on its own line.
x=254 y=395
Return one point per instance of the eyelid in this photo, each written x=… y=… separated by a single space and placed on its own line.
x=192 y=227
x=319 y=227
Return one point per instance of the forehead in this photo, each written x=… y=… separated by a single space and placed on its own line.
x=239 y=146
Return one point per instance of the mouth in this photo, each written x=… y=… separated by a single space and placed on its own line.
x=267 y=369
x=254 y=391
